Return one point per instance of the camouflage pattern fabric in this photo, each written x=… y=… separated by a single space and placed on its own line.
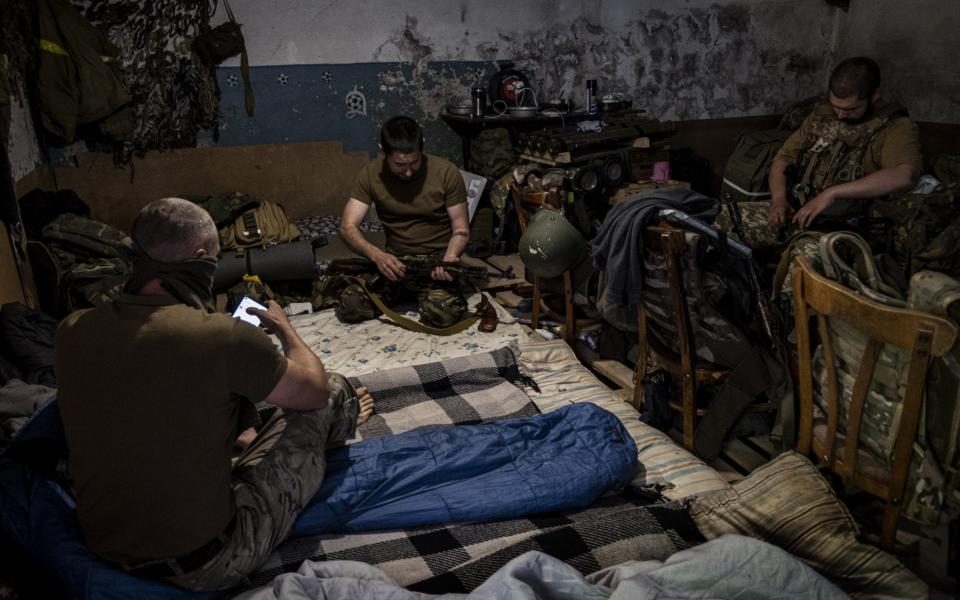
x=754 y=374
x=794 y=116
x=354 y=305
x=250 y=287
x=88 y=237
x=833 y=151
x=845 y=257
x=500 y=195
x=94 y=260
x=755 y=229
x=440 y=307
x=439 y=303
x=939 y=294
x=926 y=232
x=805 y=244
x=225 y=207
x=273 y=480
x=946 y=169
x=491 y=153
x=881 y=420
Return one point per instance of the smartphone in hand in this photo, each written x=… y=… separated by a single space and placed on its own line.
x=242 y=314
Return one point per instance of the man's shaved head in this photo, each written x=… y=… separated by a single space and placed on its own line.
x=173 y=229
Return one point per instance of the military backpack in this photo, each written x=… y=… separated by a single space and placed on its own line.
x=747 y=170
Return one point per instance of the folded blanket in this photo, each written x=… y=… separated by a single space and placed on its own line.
x=478 y=388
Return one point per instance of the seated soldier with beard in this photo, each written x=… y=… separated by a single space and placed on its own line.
x=422 y=202
x=853 y=147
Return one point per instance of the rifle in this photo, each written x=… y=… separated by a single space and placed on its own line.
x=767 y=319
x=854 y=223
x=417 y=272
x=678 y=217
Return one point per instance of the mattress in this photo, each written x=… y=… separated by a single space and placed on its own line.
x=354 y=349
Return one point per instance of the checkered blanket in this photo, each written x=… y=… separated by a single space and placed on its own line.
x=457 y=558
x=474 y=389
x=459 y=391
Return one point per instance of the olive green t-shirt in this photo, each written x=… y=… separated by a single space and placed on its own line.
x=896 y=144
x=413 y=213
x=151 y=393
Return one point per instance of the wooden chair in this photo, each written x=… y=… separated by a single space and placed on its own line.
x=681 y=362
x=923 y=335
x=570 y=323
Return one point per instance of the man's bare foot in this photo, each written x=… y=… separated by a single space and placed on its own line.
x=366 y=405
x=245 y=439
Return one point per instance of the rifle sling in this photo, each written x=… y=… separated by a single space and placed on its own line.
x=412 y=325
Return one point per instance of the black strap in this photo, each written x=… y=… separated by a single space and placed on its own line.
x=248 y=100
x=188 y=562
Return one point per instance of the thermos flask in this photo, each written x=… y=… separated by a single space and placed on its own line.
x=592 y=105
x=479 y=105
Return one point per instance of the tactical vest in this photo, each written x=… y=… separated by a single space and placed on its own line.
x=832 y=152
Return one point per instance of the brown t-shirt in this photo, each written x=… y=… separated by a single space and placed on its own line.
x=896 y=144
x=151 y=394
x=413 y=213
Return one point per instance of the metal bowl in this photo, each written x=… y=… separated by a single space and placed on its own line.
x=460 y=109
x=522 y=111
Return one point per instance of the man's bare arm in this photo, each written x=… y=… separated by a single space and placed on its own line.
x=304 y=384
x=779 y=205
x=353 y=214
x=460 y=234
x=891 y=180
x=459 y=237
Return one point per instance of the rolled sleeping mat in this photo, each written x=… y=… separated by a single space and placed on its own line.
x=284 y=262
x=230 y=269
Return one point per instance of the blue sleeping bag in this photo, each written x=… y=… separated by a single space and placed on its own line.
x=558 y=461
x=561 y=460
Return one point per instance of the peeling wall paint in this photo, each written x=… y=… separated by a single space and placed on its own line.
x=917 y=47
x=693 y=60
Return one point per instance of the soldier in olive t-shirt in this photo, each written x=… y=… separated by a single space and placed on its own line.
x=413 y=212
x=154 y=390
x=420 y=198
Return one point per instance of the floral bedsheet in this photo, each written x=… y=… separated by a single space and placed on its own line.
x=354 y=349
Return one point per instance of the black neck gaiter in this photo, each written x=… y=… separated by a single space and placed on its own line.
x=189 y=281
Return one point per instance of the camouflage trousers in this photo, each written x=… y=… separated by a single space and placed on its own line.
x=755 y=228
x=273 y=480
x=439 y=303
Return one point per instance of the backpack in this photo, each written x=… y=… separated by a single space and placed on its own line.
x=263 y=225
x=491 y=153
x=925 y=233
x=846 y=258
x=747 y=169
x=79 y=263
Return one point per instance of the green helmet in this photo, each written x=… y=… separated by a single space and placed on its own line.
x=551 y=244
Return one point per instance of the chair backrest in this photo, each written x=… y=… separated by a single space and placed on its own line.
x=921 y=335
x=678 y=315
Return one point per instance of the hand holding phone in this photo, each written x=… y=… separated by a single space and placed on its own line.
x=242 y=314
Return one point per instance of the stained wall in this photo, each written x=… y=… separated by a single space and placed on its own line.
x=918 y=48
x=312 y=62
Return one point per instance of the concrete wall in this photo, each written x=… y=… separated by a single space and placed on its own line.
x=691 y=60
x=918 y=47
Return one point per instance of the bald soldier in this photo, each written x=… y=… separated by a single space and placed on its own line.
x=154 y=391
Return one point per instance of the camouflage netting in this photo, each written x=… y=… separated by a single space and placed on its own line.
x=174 y=93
